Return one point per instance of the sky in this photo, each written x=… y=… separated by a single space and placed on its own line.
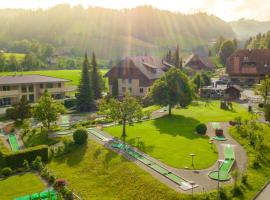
x=227 y=10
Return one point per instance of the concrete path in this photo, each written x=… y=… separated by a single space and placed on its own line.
x=200 y=177
x=265 y=194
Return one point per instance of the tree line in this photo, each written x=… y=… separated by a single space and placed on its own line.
x=260 y=41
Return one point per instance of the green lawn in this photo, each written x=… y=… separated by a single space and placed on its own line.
x=18 y=56
x=172 y=139
x=151 y=108
x=72 y=75
x=98 y=173
x=20 y=185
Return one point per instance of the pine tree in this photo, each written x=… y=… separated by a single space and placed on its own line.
x=96 y=78
x=169 y=57
x=85 y=98
x=115 y=88
x=177 y=57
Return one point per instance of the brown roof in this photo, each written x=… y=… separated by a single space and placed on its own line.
x=24 y=79
x=204 y=62
x=138 y=67
x=251 y=62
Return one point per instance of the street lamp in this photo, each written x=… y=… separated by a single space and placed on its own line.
x=192 y=183
x=192 y=159
x=219 y=164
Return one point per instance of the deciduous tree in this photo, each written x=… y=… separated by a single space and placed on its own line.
x=264 y=89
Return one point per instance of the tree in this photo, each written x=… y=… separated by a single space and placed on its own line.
x=169 y=57
x=264 y=89
x=12 y=64
x=115 y=88
x=226 y=49
x=80 y=136
x=206 y=79
x=197 y=82
x=177 y=57
x=2 y=61
x=96 y=78
x=127 y=111
x=85 y=98
x=47 y=110
x=267 y=112
x=171 y=89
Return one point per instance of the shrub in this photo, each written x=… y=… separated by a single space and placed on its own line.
x=80 y=136
x=261 y=105
x=69 y=103
x=201 y=129
x=244 y=179
x=16 y=159
x=6 y=171
x=26 y=165
x=236 y=191
x=223 y=194
x=37 y=163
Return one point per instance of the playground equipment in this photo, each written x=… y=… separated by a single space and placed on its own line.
x=13 y=142
x=47 y=194
x=225 y=167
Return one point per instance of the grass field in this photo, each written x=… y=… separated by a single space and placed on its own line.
x=20 y=185
x=72 y=75
x=172 y=139
x=94 y=172
x=18 y=56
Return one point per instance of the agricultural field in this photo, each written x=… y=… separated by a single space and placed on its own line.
x=95 y=172
x=160 y=140
x=18 y=56
x=72 y=75
x=20 y=185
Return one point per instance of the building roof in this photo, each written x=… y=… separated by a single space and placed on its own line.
x=25 y=79
x=151 y=67
x=251 y=61
x=205 y=62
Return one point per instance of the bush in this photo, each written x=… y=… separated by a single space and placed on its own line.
x=37 y=163
x=16 y=159
x=11 y=113
x=244 y=179
x=6 y=171
x=69 y=103
x=26 y=165
x=80 y=136
x=201 y=129
x=261 y=105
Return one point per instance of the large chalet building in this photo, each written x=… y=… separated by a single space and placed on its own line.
x=136 y=74
x=248 y=66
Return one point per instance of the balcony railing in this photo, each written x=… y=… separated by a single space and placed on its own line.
x=10 y=93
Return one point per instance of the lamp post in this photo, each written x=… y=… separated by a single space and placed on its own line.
x=192 y=183
x=219 y=163
x=192 y=159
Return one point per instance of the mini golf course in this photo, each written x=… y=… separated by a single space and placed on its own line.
x=13 y=142
x=226 y=165
x=183 y=184
x=215 y=126
x=47 y=194
x=65 y=121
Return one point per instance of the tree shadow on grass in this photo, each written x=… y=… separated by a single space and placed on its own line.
x=178 y=125
x=78 y=157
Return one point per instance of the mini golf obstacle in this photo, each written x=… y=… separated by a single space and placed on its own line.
x=226 y=165
x=45 y=195
x=13 y=142
x=65 y=121
x=218 y=132
x=183 y=184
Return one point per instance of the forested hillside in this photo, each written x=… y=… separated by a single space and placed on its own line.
x=259 y=41
x=110 y=33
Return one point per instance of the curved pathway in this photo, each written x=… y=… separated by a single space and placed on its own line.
x=200 y=177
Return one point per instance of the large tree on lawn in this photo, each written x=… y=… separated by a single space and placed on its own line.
x=172 y=89
x=47 y=110
x=127 y=111
x=85 y=97
x=96 y=78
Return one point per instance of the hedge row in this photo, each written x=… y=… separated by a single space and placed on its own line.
x=15 y=159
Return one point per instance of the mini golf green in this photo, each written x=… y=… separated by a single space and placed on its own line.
x=226 y=165
x=47 y=194
x=215 y=125
x=13 y=142
x=219 y=138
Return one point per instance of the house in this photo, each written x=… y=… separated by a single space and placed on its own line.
x=248 y=66
x=13 y=88
x=197 y=63
x=216 y=91
x=136 y=74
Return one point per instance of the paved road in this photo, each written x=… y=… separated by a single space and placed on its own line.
x=265 y=194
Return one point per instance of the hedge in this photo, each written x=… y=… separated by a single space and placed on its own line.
x=16 y=159
x=69 y=103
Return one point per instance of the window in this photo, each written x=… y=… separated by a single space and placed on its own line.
x=6 y=88
x=31 y=98
x=41 y=86
x=24 y=89
x=49 y=85
x=129 y=81
x=141 y=90
x=59 y=85
x=123 y=89
x=31 y=88
x=7 y=101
